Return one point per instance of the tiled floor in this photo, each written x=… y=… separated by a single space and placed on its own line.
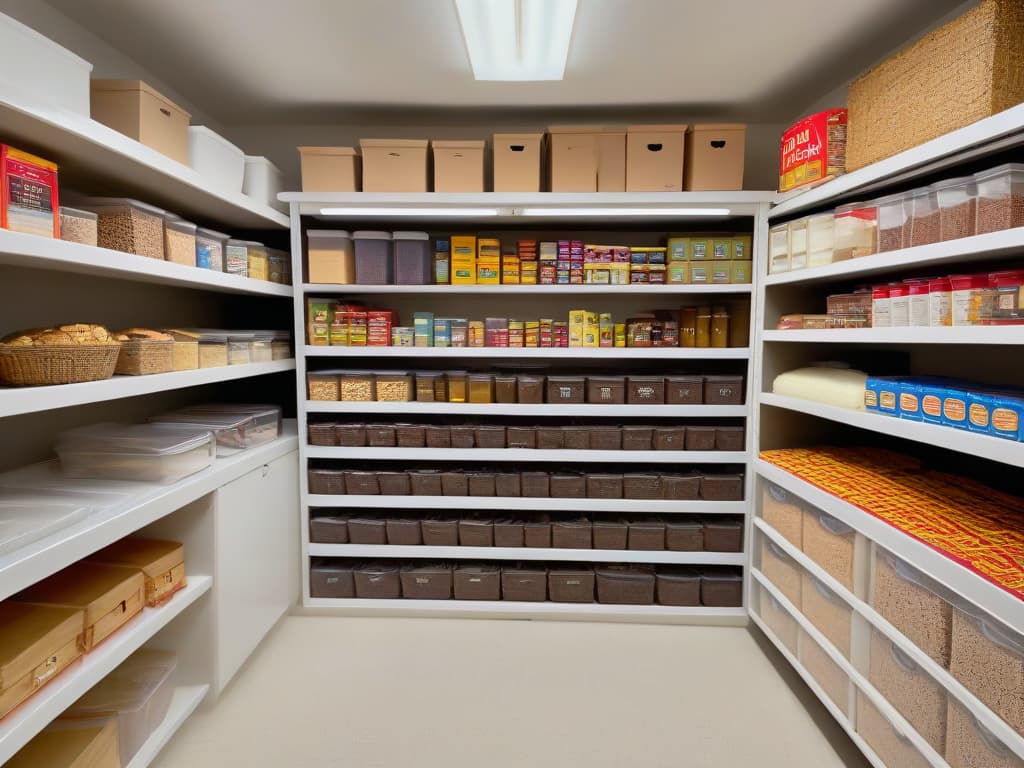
x=419 y=693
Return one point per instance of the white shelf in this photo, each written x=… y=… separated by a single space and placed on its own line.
x=530 y=290
x=989 y=719
x=500 y=609
x=18 y=728
x=84 y=148
x=974 y=588
x=528 y=454
x=992 y=245
x=19 y=400
x=546 y=353
x=136 y=506
x=529 y=504
x=526 y=409
x=527 y=553
x=1001 y=130
x=970 y=334
x=184 y=701
x=960 y=440
x=21 y=250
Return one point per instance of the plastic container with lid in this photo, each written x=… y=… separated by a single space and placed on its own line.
x=1000 y=198
x=881 y=307
x=529 y=388
x=958 y=204
x=138 y=693
x=458 y=386
x=778 y=249
x=258 y=260
x=235 y=427
x=210 y=246
x=392 y=386
x=375 y=263
x=919 y=303
x=28 y=516
x=236 y=257
x=281 y=345
x=820 y=239
x=969 y=743
x=1004 y=299
x=924 y=217
x=856 y=231
x=77 y=226
x=139 y=452
x=968 y=294
x=261 y=346
x=128 y=226
x=893 y=223
x=331 y=256
x=481 y=388
x=798 y=231
x=414 y=261
x=899 y=305
x=179 y=241
x=238 y=348
x=505 y=388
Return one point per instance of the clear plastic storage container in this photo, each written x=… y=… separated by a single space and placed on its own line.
x=234 y=427
x=128 y=226
x=375 y=264
x=413 y=259
x=893 y=224
x=139 y=452
x=236 y=257
x=179 y=241
x=261 y=349
x=238 y=348
x=856 y=231
x=27 y=516
x=958 y=206
x=797 y=244
x=821 y=239
x=778 y=249
x=210 y=249
x=924 y=217
x=1000 y=198
x=258 y=261
x=78 y=226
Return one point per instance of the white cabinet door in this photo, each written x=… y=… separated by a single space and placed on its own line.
x=257 y=559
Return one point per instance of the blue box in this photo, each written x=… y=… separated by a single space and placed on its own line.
x=954 y=407
x=881 y=395
x=442 y=332
x=1007 y=419
x=423 y=328
x=909 y=405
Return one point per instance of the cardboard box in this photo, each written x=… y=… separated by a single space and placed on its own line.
x=394 y=165
x=654 y=158
x=813 y=149
x=678 y=272
x=740 y=271
x=587 y=159
x=714 y=157
x=28 y=190
x=518 y=162
x=742 y=247
x=142 y=113
x=330 y=169
x=458 y=166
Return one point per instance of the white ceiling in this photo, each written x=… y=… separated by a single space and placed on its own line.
x=267 y=60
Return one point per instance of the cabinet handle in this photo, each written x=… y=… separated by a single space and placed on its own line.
x=266 y=470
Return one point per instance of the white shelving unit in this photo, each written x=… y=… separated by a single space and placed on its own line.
x=747 y=211
x=970 y=334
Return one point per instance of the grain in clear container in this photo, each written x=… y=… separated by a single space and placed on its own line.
x=128 y=226
x=78 y=226
x=179 y=241
x=356 y=386
x=393 y=386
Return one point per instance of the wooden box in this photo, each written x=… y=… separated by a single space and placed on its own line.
x=109 y=596
x=64 y=744
x=162 y=563
x=140 y=112
x=36 y=644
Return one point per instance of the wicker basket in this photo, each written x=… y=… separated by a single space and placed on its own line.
x=141 y=357
x=962 y=72
x=57 y=364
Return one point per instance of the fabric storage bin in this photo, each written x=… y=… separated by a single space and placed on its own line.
x=625 y=584
x=367 y=530
x=490 y=436
x=722 y=535
x=567 y=486
x=478 y=582
x=778 y=619
x=781 y=570
x=678 y=586
x=714 y=157
x=394 y=165
x=361 y=483
x=832 y=615
x=988 y=658
x=730 y=438
x=322 y=434
x=215 y=158
x=403 y=532
x=721 y=588
x=601 y=485
x=970 y=744
x=566 y=389
x=107 y=596
x=723 y=390
x=669 y=438
x=414 y=262
x=330 y=169
x=571 y=584
x=654 y=158
x=521 y=437
x=482 y=484
x=535 y=484
x=327 y=481
x=537 y=533
x=508 y=484
x=440 y=532
x=437 y=436
x=463 y=436
x=525 y=584
x=571 y=534
x=829 y=543
x=140 y=112
x=375 y=263
x=377 y=581
x=700 y=438
x=40 y=642
x=331 y=579
x=508 y=533
x=823 y=668
x=891 y=746
x=476 y=532
x=263 y=181
x=636 y=485
x=721 y=487
x=917 y=696
x=394 y=483
x=647 y=535
x=161 y=562
x=637 y=438
x=684 y=390
x=381 y=435
x=529 y=389
x=915 y=604
x=685 y=536
x=783 y=512
x=610 y=534
x=454 y=484
x=550 y=438
x=681 y=487
x=645 y=390
x=576 y=438
x=331 y=256
x=606 y=390
x=605 y=439
x=426 y=582
x=331 y=529
x=425 y=482
x=517 y=161
x=458 y=166
x=410 y=436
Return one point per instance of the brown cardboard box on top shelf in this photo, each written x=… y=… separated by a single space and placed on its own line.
x=714 y=157
x=140 y=112
x=330 y=169
x=458 y=166
x=654 y=158
x=518 y=161
x=587 y=159
x=395 y=165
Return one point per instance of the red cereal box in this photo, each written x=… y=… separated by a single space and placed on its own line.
x=29 y=194
x=813 y=149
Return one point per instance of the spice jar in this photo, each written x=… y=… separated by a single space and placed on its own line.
x=703 y=334
x=720 y=326
x=688 y=327
x=457 y=386
x=481 y=388
x=939 y=302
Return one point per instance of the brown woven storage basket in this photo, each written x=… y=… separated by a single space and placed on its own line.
x=141 y=357
x=57 y=364
x=322 y=434
x=958 y=74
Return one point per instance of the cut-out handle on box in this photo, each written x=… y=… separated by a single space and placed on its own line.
x=517 y=147
x=718 y=143
x=394 y=154
x=165 y=112
x=654 y=147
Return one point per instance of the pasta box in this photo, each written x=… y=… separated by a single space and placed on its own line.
x=813 y=149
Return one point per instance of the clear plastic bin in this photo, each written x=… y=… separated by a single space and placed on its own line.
x=893 y=223
x=924 y=217
x=210 y=249
x=856 y=231
x=958 y=207
x=782 y=511
x=778 y=249
x=77 y=226
x=356 y=386
x=780 y=569
x=829 y=543
x=375 y=264
x=893 y=748
x=821 y=239
x=1000 y=198
x=128 y=226
x=823 y=668
x=392 y=386
x=138 y=693
x=28 y=516
x=261 y=348
x=969 y=744
x=414 y=261
x=777 y=618
x=179 y=241
x=234 y=428
x=138 y=452
x=832 y=615
x=236 y=257
x=238 y=348
x=798 y=244
x=257 y=261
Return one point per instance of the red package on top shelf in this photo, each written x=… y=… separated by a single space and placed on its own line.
x=813 y=149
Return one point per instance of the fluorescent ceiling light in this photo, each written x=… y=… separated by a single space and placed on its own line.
x=368 y=211
x=517 y=39
x=653 y=211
